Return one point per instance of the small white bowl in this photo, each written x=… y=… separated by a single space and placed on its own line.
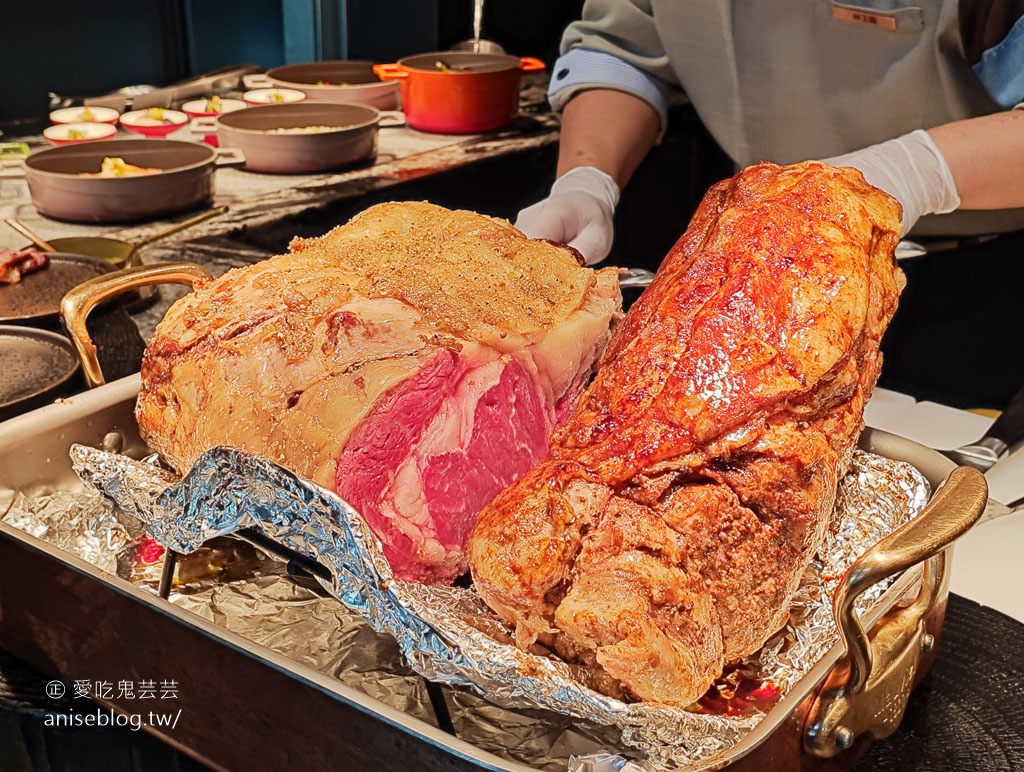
x=84 y=115
x=199 y=108
x=272 y=96
x=73 y=133
x=143 y=122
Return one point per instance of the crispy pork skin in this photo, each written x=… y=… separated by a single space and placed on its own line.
x=415 y=360
x=666 y=531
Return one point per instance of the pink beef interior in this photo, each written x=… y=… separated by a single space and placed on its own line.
x=437 y=448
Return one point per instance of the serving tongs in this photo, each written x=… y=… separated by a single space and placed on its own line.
x=1006 y=432
x=905 y=250
x=139 y=97
x=635 y=278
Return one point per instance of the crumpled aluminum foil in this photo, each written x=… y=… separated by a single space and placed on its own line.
x=448 y=635
x=295 y=617
x=78 y=523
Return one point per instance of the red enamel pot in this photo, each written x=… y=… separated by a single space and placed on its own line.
x=459 y=92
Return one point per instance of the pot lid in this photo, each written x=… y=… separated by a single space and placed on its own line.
x=330 y=74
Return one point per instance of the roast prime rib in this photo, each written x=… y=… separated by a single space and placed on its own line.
x=668 y=527
x=414 y=360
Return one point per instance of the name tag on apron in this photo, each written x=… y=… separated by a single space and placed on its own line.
x=905 y=19
x=871 y=18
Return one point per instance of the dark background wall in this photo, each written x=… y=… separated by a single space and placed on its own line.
x=84 y=49
x=80 y=48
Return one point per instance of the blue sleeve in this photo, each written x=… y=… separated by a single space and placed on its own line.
x=582 y=68
x=1001 y=68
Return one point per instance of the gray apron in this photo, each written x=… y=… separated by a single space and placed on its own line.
x=788 y=80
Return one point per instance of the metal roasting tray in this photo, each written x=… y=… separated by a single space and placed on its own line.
x=244 y=706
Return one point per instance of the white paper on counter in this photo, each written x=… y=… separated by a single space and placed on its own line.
x=987 y=567
x=937 y=426
x=1006 y=479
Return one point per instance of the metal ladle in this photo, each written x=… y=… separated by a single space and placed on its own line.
x=479 y=47
x=31 y=235
x=116 y=251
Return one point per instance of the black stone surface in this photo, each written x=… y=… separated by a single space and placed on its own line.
x=968 y=714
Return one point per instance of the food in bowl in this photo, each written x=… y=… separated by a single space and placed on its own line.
x=318 y=136
x=70 y=133
x=118 y=167
x=305 y=129
x=272 y=96
x=203 y=108
x=154 y=121
x=85 y=114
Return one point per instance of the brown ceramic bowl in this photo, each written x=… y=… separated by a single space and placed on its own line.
x=301 y=137
x=341 y=82
x=59 y=189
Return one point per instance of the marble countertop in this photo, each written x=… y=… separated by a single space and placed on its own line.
x=256 y=199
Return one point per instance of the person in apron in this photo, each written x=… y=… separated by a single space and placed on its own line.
x=919 y=95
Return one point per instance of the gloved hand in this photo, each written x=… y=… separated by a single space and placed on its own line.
x=912 y=170
x=577 y=212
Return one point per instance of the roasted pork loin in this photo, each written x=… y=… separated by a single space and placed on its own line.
x=415 y=360
x=667 y=530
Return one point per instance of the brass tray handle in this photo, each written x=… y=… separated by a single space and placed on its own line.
x=80 y=301
x=866 y=694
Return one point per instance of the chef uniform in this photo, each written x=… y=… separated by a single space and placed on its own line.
x=790 y=80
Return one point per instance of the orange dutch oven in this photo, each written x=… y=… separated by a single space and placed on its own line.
x=459 y=92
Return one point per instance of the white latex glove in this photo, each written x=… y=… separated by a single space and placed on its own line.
x=577 y=212
x=912 y=170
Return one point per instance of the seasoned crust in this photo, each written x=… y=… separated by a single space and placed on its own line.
x=284 y=357
x=723 y=415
